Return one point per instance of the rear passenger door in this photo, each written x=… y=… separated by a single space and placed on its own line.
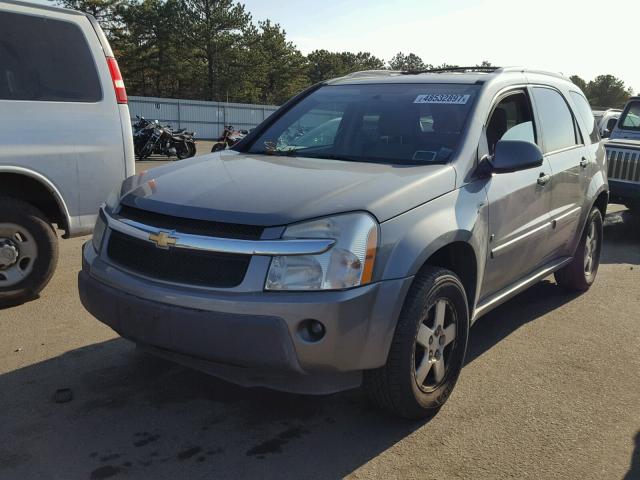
x=565 y=151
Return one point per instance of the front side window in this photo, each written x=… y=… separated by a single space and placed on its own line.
x=45 y=60
x=557 y=124
x=392 y=123
x=630 y=119
x=585 y=112
x=511 y=119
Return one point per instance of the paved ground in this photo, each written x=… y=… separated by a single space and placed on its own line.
x=551 y=390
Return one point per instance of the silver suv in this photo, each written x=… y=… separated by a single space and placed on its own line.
x=355 y=236
x=65 y=136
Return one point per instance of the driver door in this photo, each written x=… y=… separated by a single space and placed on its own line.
x=519 y=201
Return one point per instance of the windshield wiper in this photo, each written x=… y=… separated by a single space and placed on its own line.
x=332 y=156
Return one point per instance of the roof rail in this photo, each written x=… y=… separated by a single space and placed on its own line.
x=479 y=69
x=373 y=73
x=536 y=71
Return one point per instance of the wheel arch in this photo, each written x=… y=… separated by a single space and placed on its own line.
x=460 y=257
x=34 y=188
x=601 y=201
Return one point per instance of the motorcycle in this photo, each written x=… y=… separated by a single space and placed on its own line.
x=229 y=138
x=152 y=138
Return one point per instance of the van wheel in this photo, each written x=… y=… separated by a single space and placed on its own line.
x=28 y=251
x=579 y=275
x=428 y=348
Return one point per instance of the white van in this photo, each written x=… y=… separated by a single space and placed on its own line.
x=65 y=137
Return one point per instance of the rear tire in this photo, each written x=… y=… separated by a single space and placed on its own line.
x=25 y=231
x=192 y=149
x=579 y=275
x=182 y=151
x=218 y=147
x=424 y=361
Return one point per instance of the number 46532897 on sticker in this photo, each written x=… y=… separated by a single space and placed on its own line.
x=443 y=98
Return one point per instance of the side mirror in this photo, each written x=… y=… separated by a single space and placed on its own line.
x=514 y=155
x=606 y=133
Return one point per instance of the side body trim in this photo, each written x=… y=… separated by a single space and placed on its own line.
x=500 y=297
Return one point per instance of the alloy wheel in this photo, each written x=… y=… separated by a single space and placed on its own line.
x=435 y=341
x=590 y=249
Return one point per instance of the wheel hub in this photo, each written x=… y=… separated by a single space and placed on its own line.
x=8 y=254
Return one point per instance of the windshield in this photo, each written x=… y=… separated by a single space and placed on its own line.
x=395 y=123
x=631 y=117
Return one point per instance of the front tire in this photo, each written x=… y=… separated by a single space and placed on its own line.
x=579 y=275
x=428 y=348
x=28 y=251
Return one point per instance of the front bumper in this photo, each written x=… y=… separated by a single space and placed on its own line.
x=623 y=191
x=250 y=338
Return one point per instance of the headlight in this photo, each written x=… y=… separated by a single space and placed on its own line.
x=348 y=263
x=98 y=232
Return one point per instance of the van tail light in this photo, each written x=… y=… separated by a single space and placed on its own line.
x=118 y=83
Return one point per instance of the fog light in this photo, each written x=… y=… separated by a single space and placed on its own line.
x=311 y=330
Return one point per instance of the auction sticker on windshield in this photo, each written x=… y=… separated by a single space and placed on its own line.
x=443 y=98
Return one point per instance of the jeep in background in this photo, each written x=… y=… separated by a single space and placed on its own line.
x=623 y=157
x=360 y=252
x=65 y=137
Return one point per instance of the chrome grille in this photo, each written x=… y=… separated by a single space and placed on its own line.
x=623 y=163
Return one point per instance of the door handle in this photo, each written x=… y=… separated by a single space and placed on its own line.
x=584 y=162
x=543 y=179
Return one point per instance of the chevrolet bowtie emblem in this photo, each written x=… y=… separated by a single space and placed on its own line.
x=162 y=239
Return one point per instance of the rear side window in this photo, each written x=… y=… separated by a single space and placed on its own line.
x=558 y=128
x=45 y=60
x=631 y=117
x=584 y=110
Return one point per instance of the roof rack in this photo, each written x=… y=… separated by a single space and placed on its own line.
x=479 y=69
x=373 y=73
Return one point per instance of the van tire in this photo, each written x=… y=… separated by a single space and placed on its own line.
x=32 y=221
x=395 y=386
x=574 y=277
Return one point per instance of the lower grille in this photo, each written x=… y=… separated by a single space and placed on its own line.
x=624 y=164
x=177 y=265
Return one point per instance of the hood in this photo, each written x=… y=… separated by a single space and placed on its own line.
x=277 y=190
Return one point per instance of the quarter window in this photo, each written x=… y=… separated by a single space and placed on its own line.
x=45 y=60
x=585 y=112
x=557 y=124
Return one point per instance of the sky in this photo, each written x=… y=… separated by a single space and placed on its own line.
x=574 y=37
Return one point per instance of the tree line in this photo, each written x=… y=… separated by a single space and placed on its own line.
x=213 y=50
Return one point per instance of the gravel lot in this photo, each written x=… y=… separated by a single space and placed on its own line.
x=551 y=389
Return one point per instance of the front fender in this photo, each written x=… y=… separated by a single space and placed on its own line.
x=408 y=240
